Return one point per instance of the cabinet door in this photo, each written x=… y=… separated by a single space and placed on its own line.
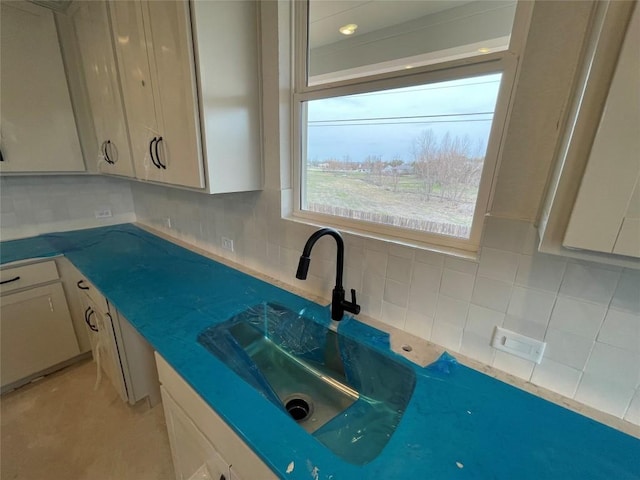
x=38 y=128
x=136 y=80
x=113 y=153
x=108 y=357
x=35 y=332
x=170 y=43
x=190 y=449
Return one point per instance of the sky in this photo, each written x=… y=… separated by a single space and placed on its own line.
x=387 y=123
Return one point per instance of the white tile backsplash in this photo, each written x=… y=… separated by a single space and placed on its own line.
x=557 y=377
x=490 y=293
x=576 y=316
x=451 y=301
x=567 y=349
x=540 y=271
x=627 y=294
x=498 y=264
x=451 y=310
x=621 y=329
x=589 y=282
x=33 y=205
x=457 y=284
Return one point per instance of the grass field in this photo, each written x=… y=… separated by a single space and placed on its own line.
x=358 y=192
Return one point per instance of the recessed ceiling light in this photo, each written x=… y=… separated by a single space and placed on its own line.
x=484 y=50
x=348 y=29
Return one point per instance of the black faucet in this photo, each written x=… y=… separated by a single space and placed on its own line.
x=338 y=304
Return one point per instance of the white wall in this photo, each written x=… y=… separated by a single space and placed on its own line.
x=31 y=205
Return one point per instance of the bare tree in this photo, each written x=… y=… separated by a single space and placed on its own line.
x=425 y=152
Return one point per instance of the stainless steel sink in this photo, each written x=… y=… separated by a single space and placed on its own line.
x=348 y=395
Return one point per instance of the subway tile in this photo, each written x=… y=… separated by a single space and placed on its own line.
x=614 y=364
x=567 y=348
x=375 y=262
x=589 y=282
x=399 y=269
x=430 y=258
x=370 y=305
x=426 y=277
x=446 y=334
x=627 y=294
x=477 y=347
x=373 y=285
x=540 y=271
x=529 y=306
x=456 y=284
x=451 y=311
x=482 y=321
x=557 y=377
x=422 y=301
x=578 y=317
x=393 y=314
x=460 y=265
x=418 y=324
x=490 y=293
x=514 y=365
x=498 y=264
x=401 y=251
x=621 y=329
x=505 y=234
x=633 y=411
x=604 y=394
x=396 y=293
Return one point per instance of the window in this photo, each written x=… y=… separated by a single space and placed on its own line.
x=399 y=122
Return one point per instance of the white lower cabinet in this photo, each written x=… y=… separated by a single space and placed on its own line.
x=192 y=452
x=36 y=333
x=199 y=438
x=119 y=350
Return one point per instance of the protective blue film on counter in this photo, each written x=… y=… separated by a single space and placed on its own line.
x=456 y=422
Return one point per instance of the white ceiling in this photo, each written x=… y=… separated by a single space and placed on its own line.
x=327 y=16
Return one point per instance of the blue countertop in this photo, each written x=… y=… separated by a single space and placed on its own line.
x=459 y=423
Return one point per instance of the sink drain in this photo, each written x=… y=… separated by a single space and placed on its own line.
x=299 y=408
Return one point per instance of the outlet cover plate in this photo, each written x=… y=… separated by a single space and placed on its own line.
x=103 y=213
x=227 y=244
x=518 y=345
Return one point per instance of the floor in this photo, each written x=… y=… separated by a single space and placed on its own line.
x=61 y=428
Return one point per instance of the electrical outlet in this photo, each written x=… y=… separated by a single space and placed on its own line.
x=103 y=213
x=518 y=345
x=227 y=244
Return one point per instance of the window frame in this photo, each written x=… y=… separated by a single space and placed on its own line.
x=505 y=62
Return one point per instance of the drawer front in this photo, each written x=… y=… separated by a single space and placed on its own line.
x=27 y=275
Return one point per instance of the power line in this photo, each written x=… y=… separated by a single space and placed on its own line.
x=370 y=124
x=402 y=118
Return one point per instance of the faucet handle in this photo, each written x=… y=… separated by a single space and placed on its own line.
x=354 y=304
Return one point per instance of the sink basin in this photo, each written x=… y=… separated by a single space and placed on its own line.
x=346 y=394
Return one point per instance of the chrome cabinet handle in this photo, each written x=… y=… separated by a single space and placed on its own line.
x=14 y=279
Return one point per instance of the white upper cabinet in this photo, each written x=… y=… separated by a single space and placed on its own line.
x=154 y=49
x=606 y=214
x=111 y=151
x=38 y=128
